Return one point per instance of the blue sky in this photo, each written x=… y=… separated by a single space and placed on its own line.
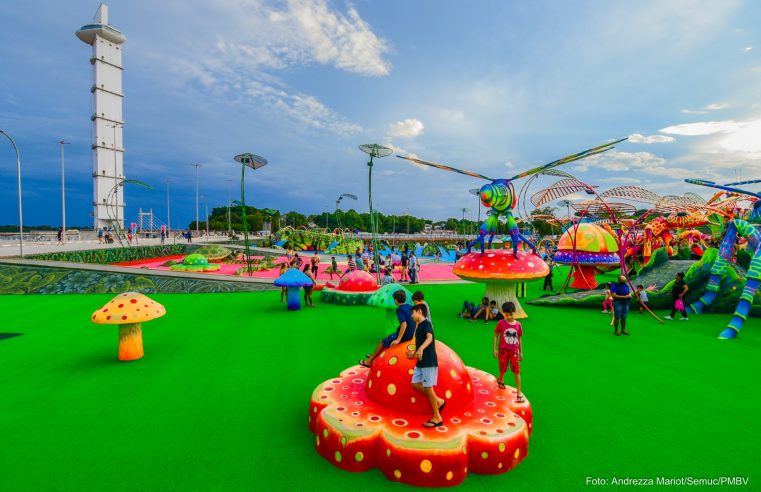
x=494 y=87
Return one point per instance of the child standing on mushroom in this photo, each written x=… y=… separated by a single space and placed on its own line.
x=403 y=333
x=426 y=372
x=508 y=348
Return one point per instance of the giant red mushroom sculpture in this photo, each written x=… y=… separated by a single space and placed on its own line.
x=500 y=270
x=372 y=418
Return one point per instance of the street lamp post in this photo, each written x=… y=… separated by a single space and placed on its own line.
x=229 y=221
x=168 y=218
x=254 y=162
x=63 y=193
x=374 y=150
x=463 y=220
x=20 y=212
x=206 y=219
x=197 y=218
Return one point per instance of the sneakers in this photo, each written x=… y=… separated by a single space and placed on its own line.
x=605 y=312
x=669 y=317
x=684 y=319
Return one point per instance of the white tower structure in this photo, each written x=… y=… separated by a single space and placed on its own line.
x=107 y=119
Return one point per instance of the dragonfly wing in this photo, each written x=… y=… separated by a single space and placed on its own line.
x=570 y=158
x=445 y=168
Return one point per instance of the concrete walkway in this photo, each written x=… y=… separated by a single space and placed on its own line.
x=11 y=248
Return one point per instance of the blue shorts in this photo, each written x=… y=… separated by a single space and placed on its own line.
x=386 y=342
x=429 y=376
x=620 y=309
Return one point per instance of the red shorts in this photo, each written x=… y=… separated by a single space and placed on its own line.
x=509 y=358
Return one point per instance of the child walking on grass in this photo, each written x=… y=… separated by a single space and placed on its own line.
x=508 y=348
x=642 y=296
x=607 y=304
x=283 y=290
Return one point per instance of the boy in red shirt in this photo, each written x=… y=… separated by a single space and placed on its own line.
x=508 y=348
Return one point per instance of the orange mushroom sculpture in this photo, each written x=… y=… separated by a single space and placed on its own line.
x=129 y=310
x=501 y=271
x=372 y=418
x=586 y=247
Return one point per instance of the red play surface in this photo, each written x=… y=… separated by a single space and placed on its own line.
x=428 y=271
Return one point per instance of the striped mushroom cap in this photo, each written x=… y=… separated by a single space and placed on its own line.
x=130 y=307
x=500 y=264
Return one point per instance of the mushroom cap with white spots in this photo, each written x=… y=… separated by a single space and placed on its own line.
x=500 y=264
x=129 y=307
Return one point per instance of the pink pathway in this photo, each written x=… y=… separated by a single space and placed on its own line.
x=428 y=271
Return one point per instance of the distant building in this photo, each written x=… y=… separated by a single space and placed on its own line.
x=107 y=118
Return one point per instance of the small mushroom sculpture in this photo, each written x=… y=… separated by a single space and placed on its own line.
x=354 y=289
x=129 y=310
x=293 y=280
x=372 y=418
x=384 y=299
x=196 y=263
x=501 y=271
x=594 y=247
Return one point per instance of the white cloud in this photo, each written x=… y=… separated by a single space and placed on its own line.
x=509 y=165
x=302 y=32
x=638 y=138
x=408 y=128
x=620 y=180
x=748 y=48
x=706 y=109
x=633 y=163
x=702 y=128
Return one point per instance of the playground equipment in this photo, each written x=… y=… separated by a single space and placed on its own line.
x=500 y=196
x=195 y=263
x=354 y=289
x=337 y=242
x=737 y=228
x=371 y=418
x=129 y=310
x=501 y=270
x=586 y=246
x=293 y=280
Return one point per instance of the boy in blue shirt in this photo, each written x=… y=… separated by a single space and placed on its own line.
x=622 y=296
x=403 y=333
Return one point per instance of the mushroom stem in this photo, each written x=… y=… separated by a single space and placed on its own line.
x=293 y=298
x=584 y=277
x=505 y=292
x=130 y=341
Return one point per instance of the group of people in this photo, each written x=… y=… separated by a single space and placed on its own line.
x=618 y=297
x=415 y=322
x=362 y=260
x=486 y=311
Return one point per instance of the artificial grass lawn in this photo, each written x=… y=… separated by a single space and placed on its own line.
x=220 y=400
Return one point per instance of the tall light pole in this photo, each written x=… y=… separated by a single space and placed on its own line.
x=374 y=150
x=254 y=162
x=229 y=221
x=463 y=219
x=168 y=217
x=63 y=192
x=197 y=218
x=338 y=210
x=206 y=220
x=20 y=212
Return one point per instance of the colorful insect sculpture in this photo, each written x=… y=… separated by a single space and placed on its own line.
x=660 y=228
x=737 y=228
x=500 y=196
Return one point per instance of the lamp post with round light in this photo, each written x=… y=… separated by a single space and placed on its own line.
x=374 y=150
x=20 y=211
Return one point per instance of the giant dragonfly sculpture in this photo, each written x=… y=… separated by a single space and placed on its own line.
x=500 y=197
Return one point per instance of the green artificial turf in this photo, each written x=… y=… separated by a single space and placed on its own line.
x=220 y=400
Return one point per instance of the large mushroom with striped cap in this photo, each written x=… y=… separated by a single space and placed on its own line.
x=129 y=310
x=501 y=271
x=372 y=418
x=586 y=247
